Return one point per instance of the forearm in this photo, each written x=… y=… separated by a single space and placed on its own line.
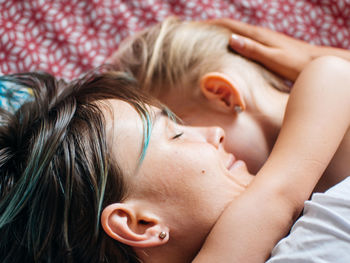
x=317 y=117
x=331 y=51
x=246 y=238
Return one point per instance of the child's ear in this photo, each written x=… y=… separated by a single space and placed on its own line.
x=133 y=226
x=220 y=89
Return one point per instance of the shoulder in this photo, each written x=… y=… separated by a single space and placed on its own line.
x=328 y=64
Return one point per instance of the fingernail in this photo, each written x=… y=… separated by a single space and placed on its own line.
x=237 y=42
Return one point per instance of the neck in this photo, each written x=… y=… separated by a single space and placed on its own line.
x=268 y=106
x=175 y=251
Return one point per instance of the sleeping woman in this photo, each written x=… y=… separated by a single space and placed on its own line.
x=97 y=171
x=189 y=68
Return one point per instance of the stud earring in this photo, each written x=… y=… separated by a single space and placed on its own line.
x=162 y=235
x=238 y=109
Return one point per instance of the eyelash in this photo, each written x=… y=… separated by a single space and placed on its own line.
x=177 y=135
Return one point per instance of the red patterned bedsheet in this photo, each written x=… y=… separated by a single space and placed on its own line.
x=67 y=37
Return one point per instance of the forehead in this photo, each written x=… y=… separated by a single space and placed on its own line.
x=124 y=129
x=129 y=131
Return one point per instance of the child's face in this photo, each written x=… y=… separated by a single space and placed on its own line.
x=245 y=137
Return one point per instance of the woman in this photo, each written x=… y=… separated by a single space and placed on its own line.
x=96 y=150
x=75 y=152
x=188 y=67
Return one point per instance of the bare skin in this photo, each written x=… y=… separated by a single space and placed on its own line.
x=252 y=242
x=288 y=57
x=285 y=182
x=311 y=134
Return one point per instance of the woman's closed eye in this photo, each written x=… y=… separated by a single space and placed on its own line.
x=177 y=135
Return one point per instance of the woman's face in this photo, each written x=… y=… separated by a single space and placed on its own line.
x=186 y=176
x=245 y=137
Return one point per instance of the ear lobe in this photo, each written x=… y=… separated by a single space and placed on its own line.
x=220 y=89
x=125 y=223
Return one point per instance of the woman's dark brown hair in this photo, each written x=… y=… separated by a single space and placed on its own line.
x=56 y=170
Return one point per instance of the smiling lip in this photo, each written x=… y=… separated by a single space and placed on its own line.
x=231 y=162
x=234 y=163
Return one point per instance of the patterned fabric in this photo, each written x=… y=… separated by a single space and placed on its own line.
x=67 y=37
x=12 y=96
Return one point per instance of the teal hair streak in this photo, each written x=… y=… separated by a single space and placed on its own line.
x=103 y=182
x=23 y=191
x=147 y=128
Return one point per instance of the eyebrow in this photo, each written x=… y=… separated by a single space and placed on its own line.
x=160 y=113
x=164 y=112
x=157 y=115
x=169 y=114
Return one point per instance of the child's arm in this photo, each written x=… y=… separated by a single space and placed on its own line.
x=280 y=53
x=316 y=119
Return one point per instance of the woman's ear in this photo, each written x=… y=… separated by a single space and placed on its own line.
x=220 y=89
x=133 y=226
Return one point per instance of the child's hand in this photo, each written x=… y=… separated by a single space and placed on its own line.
x=282 y=54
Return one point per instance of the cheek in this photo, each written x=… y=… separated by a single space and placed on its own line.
x=189 y=188
x=199 y=190
x=195 y=203
x=189 y=179
x=247 y=142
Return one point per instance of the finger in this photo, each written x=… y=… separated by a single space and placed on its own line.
x=251 y=49
x=258 y=33
x=271 y=58
x=261 y=34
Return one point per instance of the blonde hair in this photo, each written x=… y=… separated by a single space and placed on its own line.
x=175 y=54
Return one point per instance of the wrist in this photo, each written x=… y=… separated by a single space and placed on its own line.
x=320 y=51
x=316 y=52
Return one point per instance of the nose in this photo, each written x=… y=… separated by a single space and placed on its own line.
x=215 y=136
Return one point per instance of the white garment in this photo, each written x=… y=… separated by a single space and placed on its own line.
x=322 y=234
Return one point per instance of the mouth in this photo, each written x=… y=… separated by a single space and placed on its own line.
x=235 y=168
x=230 y=162
x=233 y=163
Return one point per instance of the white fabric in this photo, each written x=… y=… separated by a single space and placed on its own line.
x=322 y=234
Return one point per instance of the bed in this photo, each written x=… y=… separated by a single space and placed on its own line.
x=68 y=37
